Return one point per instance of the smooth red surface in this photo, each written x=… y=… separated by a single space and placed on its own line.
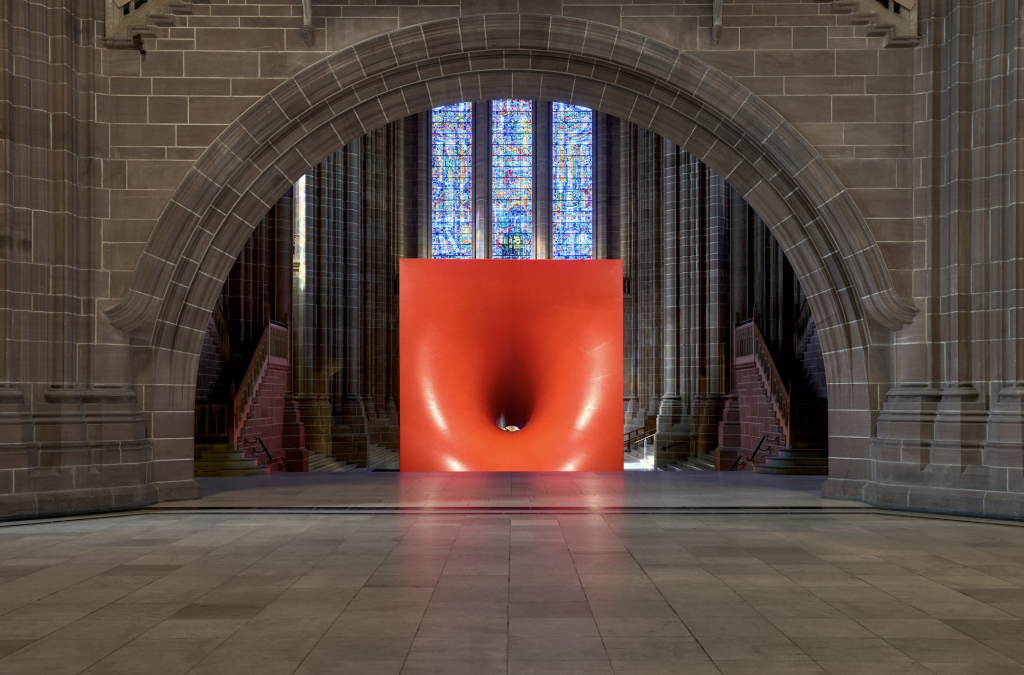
x=537 y=343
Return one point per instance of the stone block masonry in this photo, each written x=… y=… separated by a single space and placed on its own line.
x=131 y=182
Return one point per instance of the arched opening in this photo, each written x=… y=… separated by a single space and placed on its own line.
x=384 y=79
x=722 y=365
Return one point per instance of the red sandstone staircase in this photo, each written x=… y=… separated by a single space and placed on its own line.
x=262 y=408
x=768 y=409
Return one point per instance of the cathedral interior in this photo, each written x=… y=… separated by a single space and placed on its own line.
x=510 y=337
x=721 y=356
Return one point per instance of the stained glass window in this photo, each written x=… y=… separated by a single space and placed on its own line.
x=451 y=215
x=511 y=179
x=572 y=181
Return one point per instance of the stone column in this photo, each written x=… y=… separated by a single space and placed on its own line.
x=673 y=429
x=685 y=242
x=716 y=310
x=349 y=440
x=960 y=422
x=730 y=439
x=998 y=39
x=313 y=292
x=418 y=187
x=628 y=253
x=649 y=264
x=607 y=186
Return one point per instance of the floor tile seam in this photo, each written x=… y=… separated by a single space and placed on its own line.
x=371 y=511
x=676 y=613
x=342 y=613
x=423 y=616
x=579 y=580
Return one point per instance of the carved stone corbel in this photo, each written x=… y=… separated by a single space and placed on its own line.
x=307 y=22
x=716 y=22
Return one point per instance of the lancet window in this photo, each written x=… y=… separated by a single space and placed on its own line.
x=504 y=223
x=451 y=214
x=572 y=181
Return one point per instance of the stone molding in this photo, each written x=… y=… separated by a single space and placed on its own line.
x=413 y=69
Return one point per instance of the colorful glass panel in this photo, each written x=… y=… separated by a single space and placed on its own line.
x=572 y=181
x=451 y=214
x=511 y=179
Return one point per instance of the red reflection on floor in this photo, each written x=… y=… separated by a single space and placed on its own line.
x=535 y=344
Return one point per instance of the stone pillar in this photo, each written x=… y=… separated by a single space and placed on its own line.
x=963 y=254
x=649 y=270
x=673 y=427
x=418 y=188
x=628 y=253
x=730 y=440
x=715 y=310
x=349 y=440
x=689 y=301
x=607 y=186
x=997 y=41
x=313 y=294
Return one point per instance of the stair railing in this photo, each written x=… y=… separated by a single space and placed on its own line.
x=750 y=459
x=649 y=429
x=750 y=342
x=270 y=458
x=274 y=343
x=224 y=420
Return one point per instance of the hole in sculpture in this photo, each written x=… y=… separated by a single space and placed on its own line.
x=512 y=393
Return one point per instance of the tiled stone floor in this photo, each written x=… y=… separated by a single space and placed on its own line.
x=513 y=593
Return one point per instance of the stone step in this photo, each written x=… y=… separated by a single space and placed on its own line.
x=379 y=457
x=787 y=453
x=769 y=469
x=320 y=464
x=230 y=467
x=702 y=462
x=214 y=455
x=796 y=462
x=220 y=472
x=216 y=459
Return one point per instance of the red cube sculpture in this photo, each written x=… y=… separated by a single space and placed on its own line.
x=530 y=344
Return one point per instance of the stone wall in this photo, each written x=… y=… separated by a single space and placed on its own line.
x=888 y=176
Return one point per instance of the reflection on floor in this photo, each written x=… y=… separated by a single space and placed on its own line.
x=658 y=590
x=480 y=489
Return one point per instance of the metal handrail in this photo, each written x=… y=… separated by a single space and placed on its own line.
x=649 y=429
x=636 y=436
x=269 y=456
x=750 y=342
x=753 y=454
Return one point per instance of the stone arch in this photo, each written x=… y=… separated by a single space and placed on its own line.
x=409 y=70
